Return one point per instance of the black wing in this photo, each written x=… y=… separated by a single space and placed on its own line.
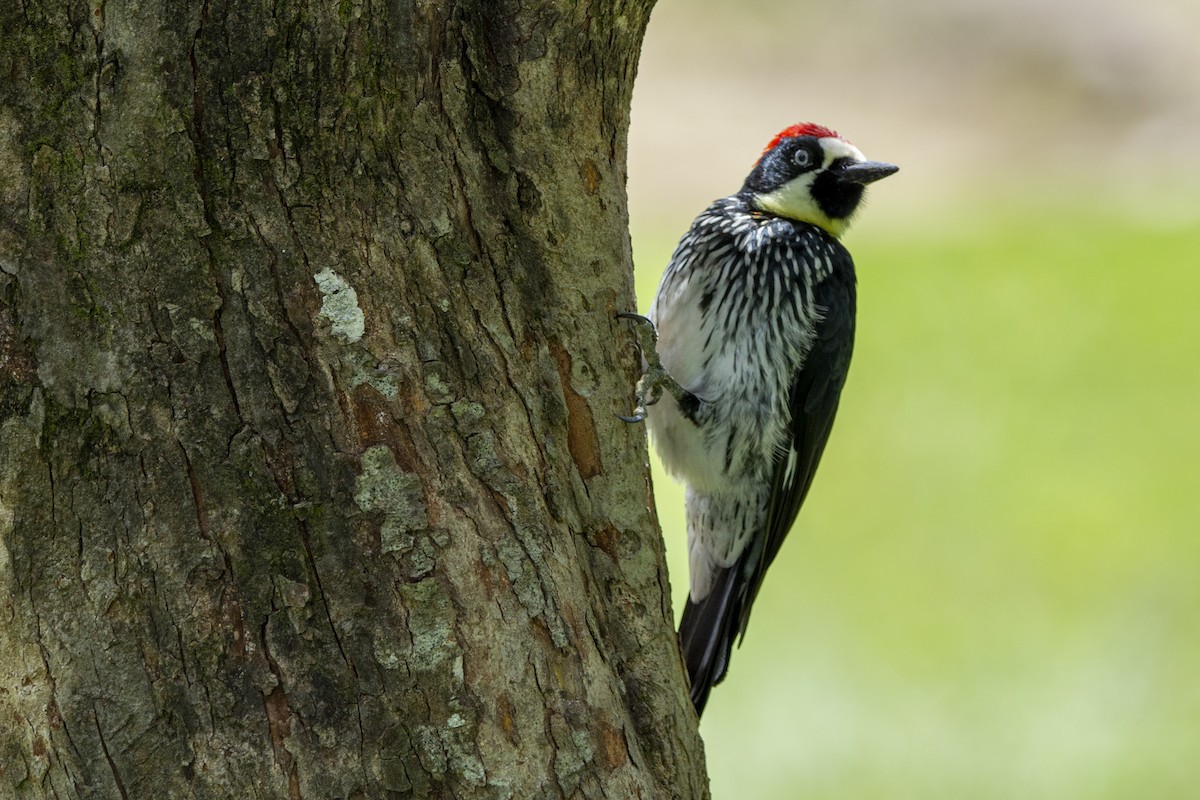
x=708 y=629
x=816 y=390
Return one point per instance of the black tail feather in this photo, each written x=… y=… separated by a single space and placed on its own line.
x=707 y=632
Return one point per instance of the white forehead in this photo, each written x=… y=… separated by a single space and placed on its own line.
x=839 y=148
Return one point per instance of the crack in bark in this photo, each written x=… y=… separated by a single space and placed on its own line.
x=200 y=176
x=222 y=349
x=197 y=133
x=53 y=490
x=108 y=756
x=279 y=714
x=53 y=710
x=312 y=564
x=273 y=259
x=197 y=494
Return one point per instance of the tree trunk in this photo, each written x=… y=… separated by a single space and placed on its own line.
x=310 y=480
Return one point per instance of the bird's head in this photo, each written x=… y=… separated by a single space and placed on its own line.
x=811 y=174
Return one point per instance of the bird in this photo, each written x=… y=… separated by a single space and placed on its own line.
x=747 y=345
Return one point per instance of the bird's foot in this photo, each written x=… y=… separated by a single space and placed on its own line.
x=656 y=379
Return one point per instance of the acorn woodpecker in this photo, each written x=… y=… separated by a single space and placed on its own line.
x=750 y=336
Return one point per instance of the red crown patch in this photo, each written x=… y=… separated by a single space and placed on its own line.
x=801 y=129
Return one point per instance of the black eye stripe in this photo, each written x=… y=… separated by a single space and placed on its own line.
x=785 y=163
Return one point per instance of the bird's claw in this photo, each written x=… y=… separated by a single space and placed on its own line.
x=648 y=393
x=656 y=378
x=635 y=316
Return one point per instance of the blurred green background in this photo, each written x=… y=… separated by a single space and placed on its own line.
x=993 y=590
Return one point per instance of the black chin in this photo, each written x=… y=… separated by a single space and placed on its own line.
x=836 y=198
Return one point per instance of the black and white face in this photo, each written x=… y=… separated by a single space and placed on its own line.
x=815 y=180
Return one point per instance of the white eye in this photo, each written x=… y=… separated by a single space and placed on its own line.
x=802 y=158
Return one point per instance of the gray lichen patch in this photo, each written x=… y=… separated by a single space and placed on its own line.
x=339 y=305
x=431 y=623
x=399 y=496
x=362 y=367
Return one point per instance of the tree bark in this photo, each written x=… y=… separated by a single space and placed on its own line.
x=310 y=480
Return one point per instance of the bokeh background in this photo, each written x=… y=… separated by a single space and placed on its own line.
x=993 y=590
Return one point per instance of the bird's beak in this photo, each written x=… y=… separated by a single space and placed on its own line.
x=864 y=172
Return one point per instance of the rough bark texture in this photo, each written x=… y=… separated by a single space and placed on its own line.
x=310 y=483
